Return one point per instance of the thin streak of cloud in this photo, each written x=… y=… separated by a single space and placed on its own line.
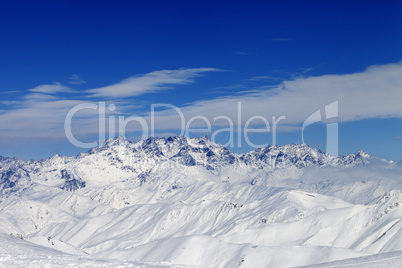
x=264 y=77
x=232 y=87
x=40 y=96
x=150 y=83
x=302 y=72
x=9 y=103
x=76 y=80
x=51 y=89
x=9 y=92
x=227 y=89
x=241 y=53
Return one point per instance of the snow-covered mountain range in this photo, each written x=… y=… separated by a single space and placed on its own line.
x=180 y=201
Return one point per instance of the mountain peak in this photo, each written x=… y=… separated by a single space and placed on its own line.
x=362 y=154
x=119 y=138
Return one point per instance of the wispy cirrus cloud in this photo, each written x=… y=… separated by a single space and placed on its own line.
x=76 y=80
x=241 y=53
x=149 y=83
x=38 y=118
x=264 y=77
x=51 y=88
x=41 y=112
x=374 y=93
x=232 y=87
x=38 y=96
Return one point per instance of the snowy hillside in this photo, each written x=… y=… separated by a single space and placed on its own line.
x=190 y=202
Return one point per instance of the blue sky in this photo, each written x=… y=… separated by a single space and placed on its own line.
x=204 y=57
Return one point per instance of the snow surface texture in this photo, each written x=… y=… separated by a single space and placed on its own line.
x=181 y=202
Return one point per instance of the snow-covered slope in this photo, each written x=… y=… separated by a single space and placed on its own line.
x=383 y=260
x=182 y=201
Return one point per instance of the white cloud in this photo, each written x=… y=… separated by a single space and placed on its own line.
x=149 y=83
x=42 y=112
x=301 y=73
x=76 y=80
x=51 y=89
x=41 y=118
x=232 y=87
x=373 y=93
x=40 y=96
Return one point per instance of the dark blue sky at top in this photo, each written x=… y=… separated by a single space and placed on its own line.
x=106 y=41
x=44 y=41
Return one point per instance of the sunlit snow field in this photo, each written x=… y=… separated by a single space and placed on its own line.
x=183 y=202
